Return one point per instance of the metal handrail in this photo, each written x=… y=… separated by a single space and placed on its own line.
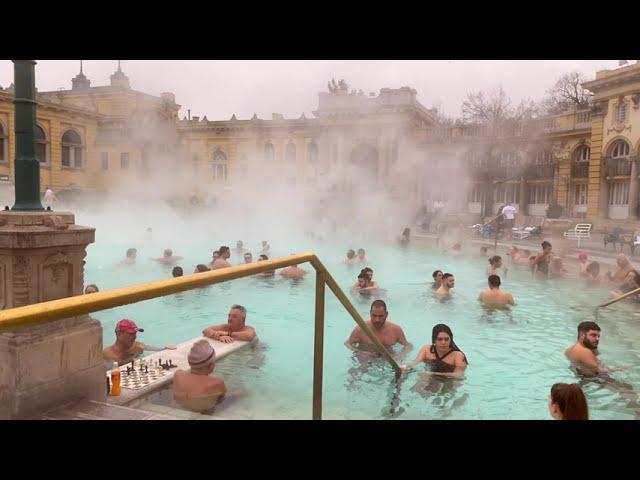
x=621 y=297
x=82 y=304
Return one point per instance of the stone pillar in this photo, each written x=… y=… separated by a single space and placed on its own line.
x=633 y=190
x=48 y=364
x=598 y=195
x=522 y=207
x=603 y=204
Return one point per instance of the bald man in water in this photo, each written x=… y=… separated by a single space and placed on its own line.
x=388 y=333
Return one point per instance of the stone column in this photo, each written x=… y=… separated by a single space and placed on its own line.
x=603 y=205
x=633 y=190
x=48 y=364
x=522 y=207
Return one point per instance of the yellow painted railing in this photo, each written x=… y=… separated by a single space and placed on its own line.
x=82 y=304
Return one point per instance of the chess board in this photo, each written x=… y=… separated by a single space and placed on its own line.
x=136 y=380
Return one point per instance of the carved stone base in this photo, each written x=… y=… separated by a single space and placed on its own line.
x=47 y=365
x=42 y=258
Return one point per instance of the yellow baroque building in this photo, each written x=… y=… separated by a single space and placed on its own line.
x=93 y=138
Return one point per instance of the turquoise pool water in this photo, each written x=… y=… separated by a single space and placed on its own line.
x=515 y=355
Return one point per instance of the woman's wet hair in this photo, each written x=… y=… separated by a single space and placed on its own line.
x=177 y=271
x=636 y=276
x=435 y=274
x=363 y=276
x=202 y=268
x=570 y=400
x=495 y=259
x=350 y=254
x=440 y=328
x=593 y=269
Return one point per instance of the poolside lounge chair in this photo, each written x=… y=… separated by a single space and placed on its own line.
x=580 y=231
x=533 y=227
x=613 y=237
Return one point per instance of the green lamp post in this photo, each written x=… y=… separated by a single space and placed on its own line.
x=27 y=167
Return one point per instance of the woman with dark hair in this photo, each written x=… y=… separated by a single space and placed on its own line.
x=495 y=263
x=592 y=274
x=437 y=279
x=567 y=402
x=443 y=355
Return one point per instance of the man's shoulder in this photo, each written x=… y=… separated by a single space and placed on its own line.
x=394 y=326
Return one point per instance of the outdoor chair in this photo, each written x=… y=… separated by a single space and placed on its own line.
x=613 y=237
x=580 y=231
x=533 y=228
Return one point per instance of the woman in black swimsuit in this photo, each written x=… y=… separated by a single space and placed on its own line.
x=443 y=357
x=542 y=261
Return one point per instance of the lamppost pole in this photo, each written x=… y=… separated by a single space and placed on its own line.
x=27 y=165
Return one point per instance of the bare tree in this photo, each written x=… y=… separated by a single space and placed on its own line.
x=567 y=92
x=494 y=110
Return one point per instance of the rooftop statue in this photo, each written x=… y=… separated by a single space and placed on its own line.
x=340 y=86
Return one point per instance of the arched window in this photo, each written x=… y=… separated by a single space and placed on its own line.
x=219 y=166
x=291 y=153
x=219 y=156
x=269 y=152
x=620 y=149
x=4 y=144
x=312 y=152
x=72 y=149
x=42 y=145
x=582 y=154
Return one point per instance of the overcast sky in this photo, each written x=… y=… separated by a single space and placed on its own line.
x=221 y=88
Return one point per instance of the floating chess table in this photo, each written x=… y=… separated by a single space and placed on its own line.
x=140 y=384
x=138 y=378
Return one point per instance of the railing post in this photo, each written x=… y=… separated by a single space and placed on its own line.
x=318 y=346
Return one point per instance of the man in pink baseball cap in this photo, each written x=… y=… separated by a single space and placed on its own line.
x=126 y=348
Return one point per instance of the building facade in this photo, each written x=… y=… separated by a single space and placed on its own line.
x=584 y=161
